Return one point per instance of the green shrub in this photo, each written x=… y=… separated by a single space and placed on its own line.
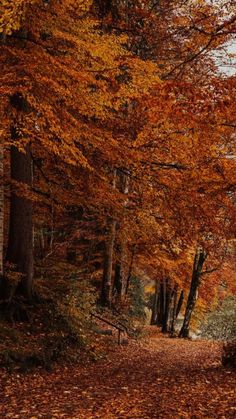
x=221 y=323
x=71 y=312
x=137 y=300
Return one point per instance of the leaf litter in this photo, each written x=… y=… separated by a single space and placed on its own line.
x=156 y=377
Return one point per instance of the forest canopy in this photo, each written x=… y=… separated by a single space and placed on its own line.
x=117 y=154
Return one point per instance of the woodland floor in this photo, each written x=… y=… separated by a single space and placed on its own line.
x=153 y=378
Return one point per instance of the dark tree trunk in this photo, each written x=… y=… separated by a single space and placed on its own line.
x=1 y=212
x=161 y=303
x=121 y=274
x=118 y=280
x=180 y=303
x=106 y=291
x=122 y=270
x=130 y=270
x=174 y=310
x=166 y=312
x=155 y=305
x=199 y=260
x=159 y=316
x=20 y=238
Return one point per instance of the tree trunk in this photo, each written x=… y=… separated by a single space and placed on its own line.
x=121 y=274
x=20 y=238
x=174 y=310
x=106 y=292
x=166 y=312
x=155 y=305
x=130 y=270
x=121 y=270
x=2 y=41
x=199 y=260
x=161 y=303
x=180 y=303
x=118 y=279
x=108 y=263
x=1 y=212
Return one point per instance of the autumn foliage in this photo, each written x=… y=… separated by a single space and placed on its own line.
x=118 y=134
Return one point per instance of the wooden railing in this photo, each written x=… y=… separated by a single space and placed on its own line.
x=119 y=328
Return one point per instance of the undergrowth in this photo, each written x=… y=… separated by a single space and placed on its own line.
x=59 y=326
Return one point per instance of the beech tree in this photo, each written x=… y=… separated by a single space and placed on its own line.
x=93 y=89
x=199 y=260
x=20 y=240
x=63 y=128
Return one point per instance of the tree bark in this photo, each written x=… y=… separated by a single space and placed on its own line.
x=180 y=303
x=155 y=305
x=118 y=279
x=106 y=292
x=121 y=270
x=130 y=270
x=161 y=303
x=166 y=312
x=199 y=260
x=2 y=41
x=174 y=310
x=108 y=264
x=1 y=212
x=20 y=238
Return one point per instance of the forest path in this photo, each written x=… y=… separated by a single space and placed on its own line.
x=156 y=378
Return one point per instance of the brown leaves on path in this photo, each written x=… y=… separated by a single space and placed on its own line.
x=156 y=378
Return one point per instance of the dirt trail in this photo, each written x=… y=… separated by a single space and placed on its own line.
x=158 y=378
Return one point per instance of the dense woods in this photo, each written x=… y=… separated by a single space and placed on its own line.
x=117 y=164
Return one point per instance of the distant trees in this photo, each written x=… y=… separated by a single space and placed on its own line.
x=220 y=323
x=166 y=306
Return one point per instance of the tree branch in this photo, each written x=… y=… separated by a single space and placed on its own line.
x=176 y=166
